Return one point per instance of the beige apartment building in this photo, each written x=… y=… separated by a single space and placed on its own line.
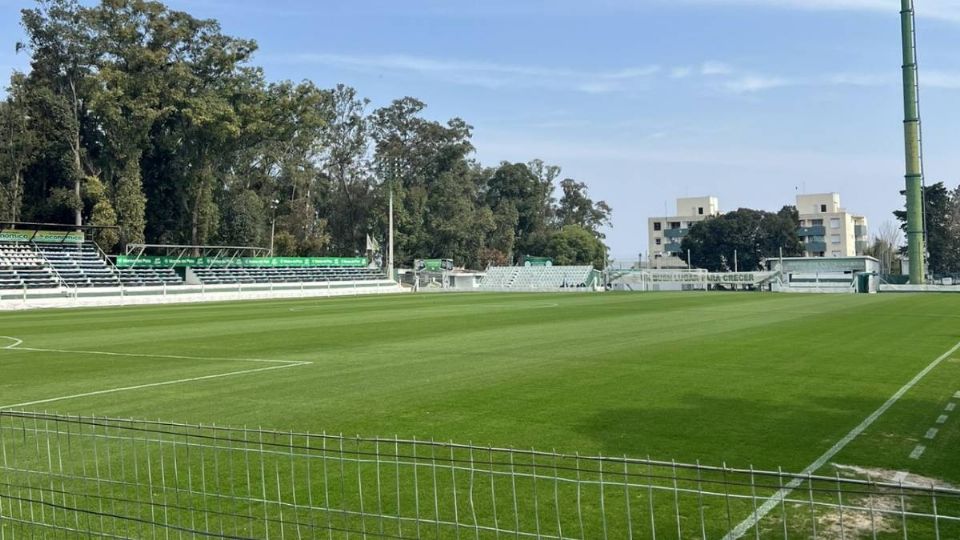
x=826 y=229
x=666 y=232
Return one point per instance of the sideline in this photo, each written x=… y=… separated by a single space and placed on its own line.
x=758 y=514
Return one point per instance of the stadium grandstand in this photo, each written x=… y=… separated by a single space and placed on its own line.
x=41 y=267
x=541 y=278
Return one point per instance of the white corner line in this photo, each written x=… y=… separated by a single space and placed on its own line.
x=15 y=344
x=151 y=385
x=771 y=503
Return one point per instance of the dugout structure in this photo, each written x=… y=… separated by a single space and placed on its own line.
x=826 y=274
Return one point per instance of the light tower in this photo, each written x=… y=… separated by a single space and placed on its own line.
x=914 y=150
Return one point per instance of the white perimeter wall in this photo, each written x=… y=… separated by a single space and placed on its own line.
x=36 y=299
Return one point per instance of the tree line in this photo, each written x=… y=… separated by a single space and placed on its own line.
x=146 y=118
x=942 y=225
x=751 y=236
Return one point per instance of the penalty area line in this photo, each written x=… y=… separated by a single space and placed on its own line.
x=771 y=503
x=152 y=385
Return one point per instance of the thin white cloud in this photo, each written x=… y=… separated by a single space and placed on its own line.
x=712 y=73
x=754 y=83
x=488 y=74
x=937 y=9
x=940 y=79
x=714 y=68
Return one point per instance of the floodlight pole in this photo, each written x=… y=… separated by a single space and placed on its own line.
x=736 y=265
x=913 y=144
x=390 y=250
x=273 y=222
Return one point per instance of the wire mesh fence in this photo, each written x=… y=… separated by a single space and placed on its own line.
x=87 y=477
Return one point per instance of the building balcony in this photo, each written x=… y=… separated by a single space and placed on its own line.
x=815 y=247
x=816 y=230
x=672 y=247
x=675 y=233
x=860 y=231
x=861 y=247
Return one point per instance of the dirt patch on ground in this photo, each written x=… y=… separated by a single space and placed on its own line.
x=891 y=477
x=874 y=512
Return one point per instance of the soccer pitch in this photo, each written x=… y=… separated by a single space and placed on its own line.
x=744 y=380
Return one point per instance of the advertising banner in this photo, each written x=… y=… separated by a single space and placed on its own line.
x=41 y=237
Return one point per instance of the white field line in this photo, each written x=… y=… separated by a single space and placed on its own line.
x=917 y=451
x=16 y=342
x=15 y=346
x=151 y=385
x=774 y=500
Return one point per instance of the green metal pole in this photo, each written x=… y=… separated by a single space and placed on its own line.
x=911 y=131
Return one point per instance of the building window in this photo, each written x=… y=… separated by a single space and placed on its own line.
x=674 y=224
x=835 y=239
x=657 y=225
x=823 y=208
x=658 y=241
x=700 y=210
x=834 y=253
x=817 y=223
x=835 y=223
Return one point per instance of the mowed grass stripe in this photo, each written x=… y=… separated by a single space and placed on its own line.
x=746 y=378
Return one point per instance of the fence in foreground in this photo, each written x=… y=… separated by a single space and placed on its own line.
x=72 y=477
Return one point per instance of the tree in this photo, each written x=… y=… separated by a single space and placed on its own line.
x=953 y=230
x=576 y=208
x=749 y=235
x=59 y=88
x=18 y=147
x=943 y=247
x=149 y=119
x=244 y=219
x=886 y=248
x=101 y=214
x=524 y=190
x=345 y=172
x=575 y=245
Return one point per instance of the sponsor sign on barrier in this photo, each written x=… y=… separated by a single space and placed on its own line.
x=242 y=262
x=41 y=237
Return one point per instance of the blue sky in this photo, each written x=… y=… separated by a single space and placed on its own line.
x=645 y=100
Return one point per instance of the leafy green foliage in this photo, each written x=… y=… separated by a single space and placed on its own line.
x=749 y=235
x=193 y=146
x=942 y=223
x=574 y=245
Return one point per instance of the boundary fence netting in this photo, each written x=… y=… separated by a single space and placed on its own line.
x=89 y=477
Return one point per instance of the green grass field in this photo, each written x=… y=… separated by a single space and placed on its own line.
x=742 y=379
